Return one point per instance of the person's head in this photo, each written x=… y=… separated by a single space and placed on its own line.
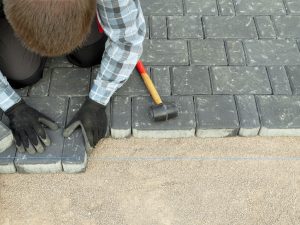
x=51 y=27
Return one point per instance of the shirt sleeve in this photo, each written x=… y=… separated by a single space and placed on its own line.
x=8 y=96
x=124 y=24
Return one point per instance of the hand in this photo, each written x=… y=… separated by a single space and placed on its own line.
x=92 y=119
x=26 y=125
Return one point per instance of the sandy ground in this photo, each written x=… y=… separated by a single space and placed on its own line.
x=153 y=182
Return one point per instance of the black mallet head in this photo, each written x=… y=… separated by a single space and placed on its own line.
x=164 y=111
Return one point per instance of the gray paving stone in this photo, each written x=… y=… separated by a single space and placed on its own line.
x=226 y=8
x=50 y=160
x=229 y=27
x=162 y=79
x=121 y=117
x=202 y=7
x=235 y=53
x=23 y=92
x=6 y=137
x=144 y=127
x=54 y=62
x=183 y=27
x=164 y=8
x=279 y=80
x=190 y=80
x=147 y=36
x=279 y=115
x=272 y=52
x=41 y=88
x=158 y=27
x=259 y=7
x=265 y=27
x=165 y=52
x=294 y=75
x=70 y=82
x=216 y=116
x=248 y=115
x=288 y=26
x=293 y=6
x=7 y=160
x=240 y=80
x=208 y=52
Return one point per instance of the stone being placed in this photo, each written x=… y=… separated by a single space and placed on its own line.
x=6 y=137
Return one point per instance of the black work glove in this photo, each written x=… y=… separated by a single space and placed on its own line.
x=26 y=125
x=93 y=121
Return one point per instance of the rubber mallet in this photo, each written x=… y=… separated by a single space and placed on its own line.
x=160 y=111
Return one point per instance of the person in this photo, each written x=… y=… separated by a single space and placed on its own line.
x=33 y=30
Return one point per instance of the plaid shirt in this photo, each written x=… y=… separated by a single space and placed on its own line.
x=124 y=24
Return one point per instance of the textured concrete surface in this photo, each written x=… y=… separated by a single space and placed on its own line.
x=165 y=182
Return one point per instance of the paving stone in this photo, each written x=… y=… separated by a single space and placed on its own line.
x=265 y=27
x=235 y=53
x=6 y=137
x=70 y=82
x=7 y=160
x=158 y=27
x=202 y=7
x=272 y=52
x=54 y=62
x=279 y=115
x=41 y=88
x=294 y=75
x=190 y=80
x=208 y=52
x=144 y=127
x=226 y=8
x=216 y=116
x=248 y=115
x=293 y=6
x=288 y=26
x=279 y=80
x=183 y=27
x=259 y=7
x=147 y=36
x=240 y=80
x=158 y=7
x=121 y=117
x=162 y=79
x=165 y=52
x=23 y=92
x=229 y=27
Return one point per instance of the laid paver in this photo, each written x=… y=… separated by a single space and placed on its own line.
x=147 y=36
x=216 y=116
x=288 y=26
x=248 y=115
x=165 y=52
x=6 y=137
x=190 y=80
x=272 y=52
x=161 y=79
x=182 y=126
x=226 y=8
x=181 y=27
x=50 y=159
x=121 y=117
x=208 y=52
x=279 y=80
x=265 y=27
x=7 y=160
x=235 y=53
x=158 y=7
x=293 y=6
x=240 y=80
x=294 y=75
x=70 y=82
x=259 y=7
x=55 y=62
x=158 y=27
x=41 y=88
x=230 y=27
x=279 y=115
x=202 y=7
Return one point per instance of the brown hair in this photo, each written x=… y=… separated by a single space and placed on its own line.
x=51 y=27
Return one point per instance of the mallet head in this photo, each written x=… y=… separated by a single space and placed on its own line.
x=164 y=111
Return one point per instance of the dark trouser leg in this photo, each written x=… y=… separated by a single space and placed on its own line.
x=20 y=66
x=90 y=54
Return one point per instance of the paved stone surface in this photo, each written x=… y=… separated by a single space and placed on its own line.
x=216 y=116
x=223 y=61
x=7 y=160
x=6 y=138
